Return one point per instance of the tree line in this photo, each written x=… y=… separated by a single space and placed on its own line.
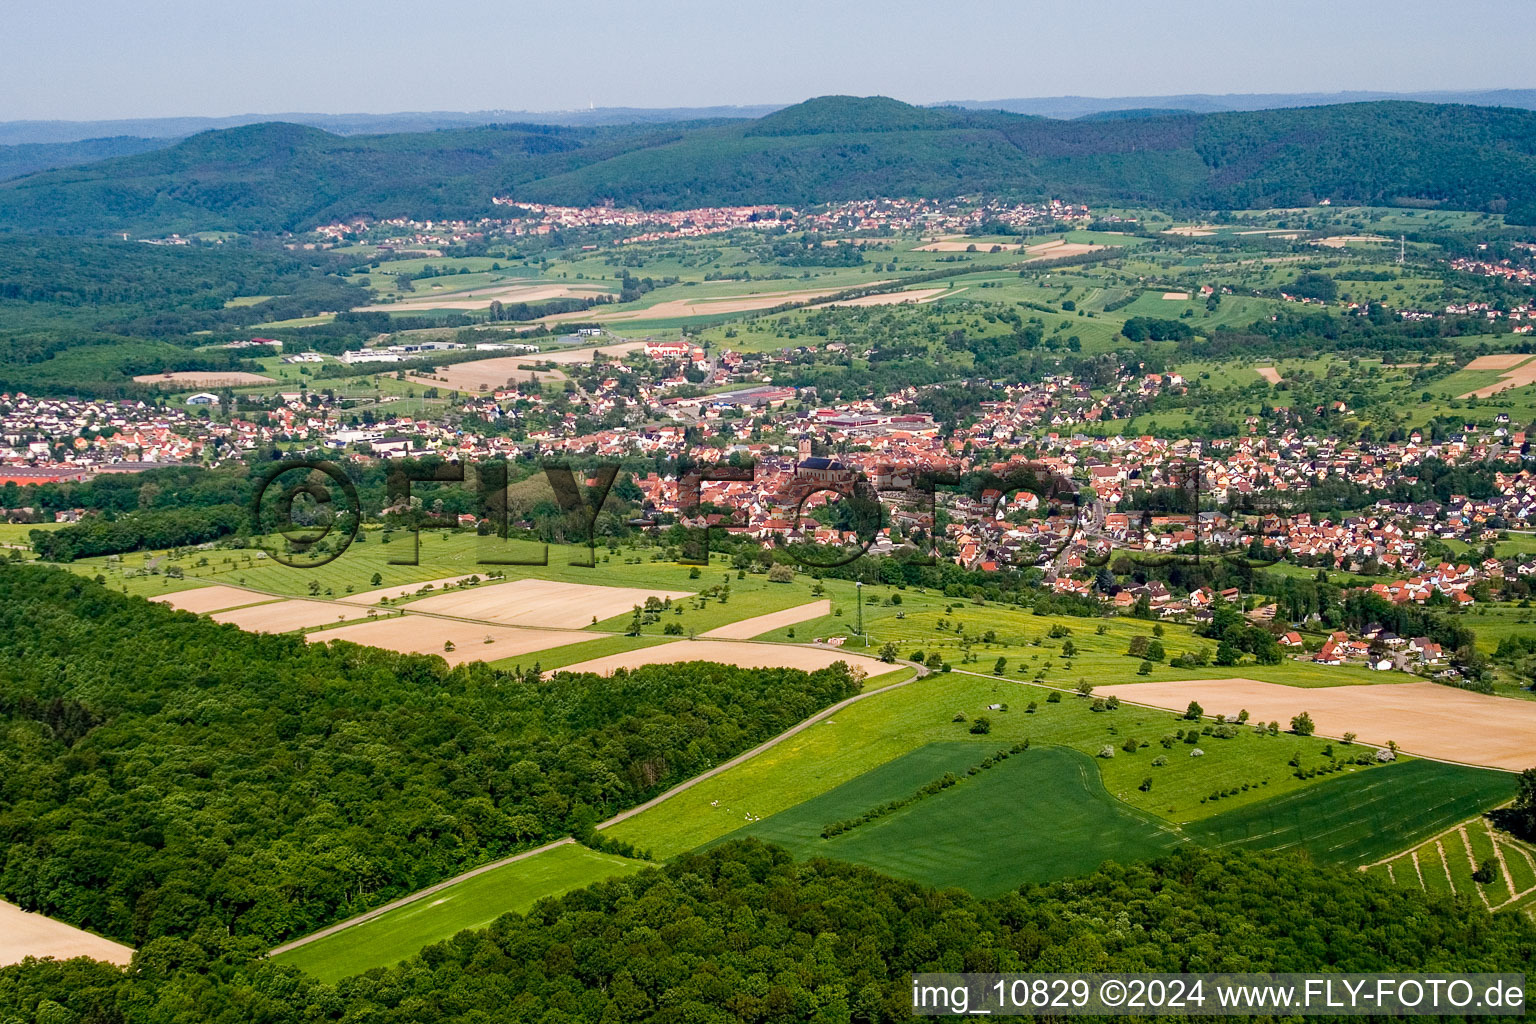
x=743 y=933
x=164 y=775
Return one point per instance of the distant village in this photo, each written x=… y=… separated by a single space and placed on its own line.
x=816 y=450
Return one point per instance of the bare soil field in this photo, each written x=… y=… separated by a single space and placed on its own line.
x=485 y=374
x=286 y=616
x=1516 y=377
x=963 y=243
x=489 y=374
x=705 y=306
x=204 y=379
x=730 y=652
x=390 y=593
x=566 y=357
x=1192 y=230
x=1339 y=241
x=211 y=599
x=1058 y=249
x=472 y=641
x=1423 y=718
x=1498 y=361
x=543 y=603
x=746 y=629
x=1180 y=296
x=1269 y=373
x=481 y=298
x=916 y=295
x=24 y=934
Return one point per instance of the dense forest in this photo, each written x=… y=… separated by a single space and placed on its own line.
x=145 y=528
x=284 y=177
x=744 y=933
x=164 y=775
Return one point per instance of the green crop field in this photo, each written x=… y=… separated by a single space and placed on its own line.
x=472 y=903
x=1039 y=815
x=1445 y=865
x=1352 y=820
x=886 y=727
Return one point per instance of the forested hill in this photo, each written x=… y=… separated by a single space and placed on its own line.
x=276 y=177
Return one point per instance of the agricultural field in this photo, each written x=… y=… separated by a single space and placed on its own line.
x=216 y=598
x=1445 y=865
x=542 y=603
x=24 y=934
x=1039 y=815
x=732 y=652
x=1422 y=717
x=1357 y=821
x=872 y=732
x=472 y=903
x=455 y=641
x=287 y=616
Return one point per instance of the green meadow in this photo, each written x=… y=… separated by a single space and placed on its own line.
x=883 y=728
x=472 y=903
x=1039 y=815
x=1347 y=820
x=1444 y=865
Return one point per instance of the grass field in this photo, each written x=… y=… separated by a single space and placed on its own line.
x=1353 y=820
x=931 y=622
x=1444 y=865
x=1039 y=815
x=472 y=903
x=886 y=727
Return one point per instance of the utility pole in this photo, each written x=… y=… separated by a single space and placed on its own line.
x=858 y=594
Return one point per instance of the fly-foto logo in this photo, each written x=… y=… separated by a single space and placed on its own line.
x=306 y=513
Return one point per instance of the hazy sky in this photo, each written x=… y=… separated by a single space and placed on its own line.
x=86 y=59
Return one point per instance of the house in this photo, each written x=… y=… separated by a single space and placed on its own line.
x=1291 y=639
x=1427 y=650
x=1331 y=654
x=667 y=349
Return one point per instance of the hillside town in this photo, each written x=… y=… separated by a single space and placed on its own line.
x=1240 y=494
x=627 y=225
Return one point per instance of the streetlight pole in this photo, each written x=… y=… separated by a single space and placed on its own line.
x=858 y=593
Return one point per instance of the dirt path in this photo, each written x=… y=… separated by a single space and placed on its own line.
x=1466 y=844
x=1445 y=865
x=353 y=922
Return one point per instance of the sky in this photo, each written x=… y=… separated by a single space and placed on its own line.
x=101 y=59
